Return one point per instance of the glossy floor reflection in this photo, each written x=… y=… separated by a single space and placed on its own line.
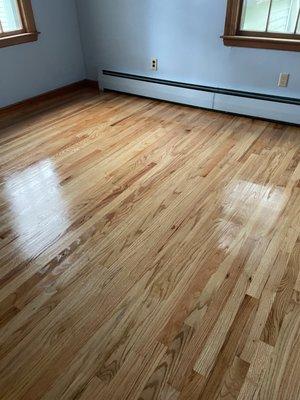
x=148 y=251
x=39 y=214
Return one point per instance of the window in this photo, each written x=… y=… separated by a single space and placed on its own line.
x=16 y=22
x=269 y=24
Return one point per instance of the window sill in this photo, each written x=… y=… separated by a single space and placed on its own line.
x=18 y=39
x=262 y=42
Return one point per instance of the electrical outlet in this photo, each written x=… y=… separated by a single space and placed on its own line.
x=154 y=64
x=283 y=80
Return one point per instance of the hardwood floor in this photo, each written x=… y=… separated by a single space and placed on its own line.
x=148 y=251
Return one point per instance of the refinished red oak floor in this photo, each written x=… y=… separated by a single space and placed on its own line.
x=148 y=251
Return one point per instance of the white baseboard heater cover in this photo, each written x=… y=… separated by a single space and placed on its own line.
x=274 y=108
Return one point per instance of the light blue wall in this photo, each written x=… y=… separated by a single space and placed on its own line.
x=53 y=61
x=184 y=35
x=124 y=35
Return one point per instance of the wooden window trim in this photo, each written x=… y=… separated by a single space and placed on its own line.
x=233 y=36
x=28 y=33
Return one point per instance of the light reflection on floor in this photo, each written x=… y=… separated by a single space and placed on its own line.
x=39 y=211
x=242 y=199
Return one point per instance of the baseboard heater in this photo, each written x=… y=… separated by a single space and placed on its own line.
x=275 y=108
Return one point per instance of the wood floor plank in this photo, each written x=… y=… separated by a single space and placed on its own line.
x=282 y=300
x=258 y=368
x=95 y=386
x=148 y=251
x=282 y=378
x=228 y=385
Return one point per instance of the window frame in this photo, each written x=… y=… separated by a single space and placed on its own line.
x=28 y=33
x=234 y=36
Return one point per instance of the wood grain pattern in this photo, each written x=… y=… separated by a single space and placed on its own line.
x=148 y=251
